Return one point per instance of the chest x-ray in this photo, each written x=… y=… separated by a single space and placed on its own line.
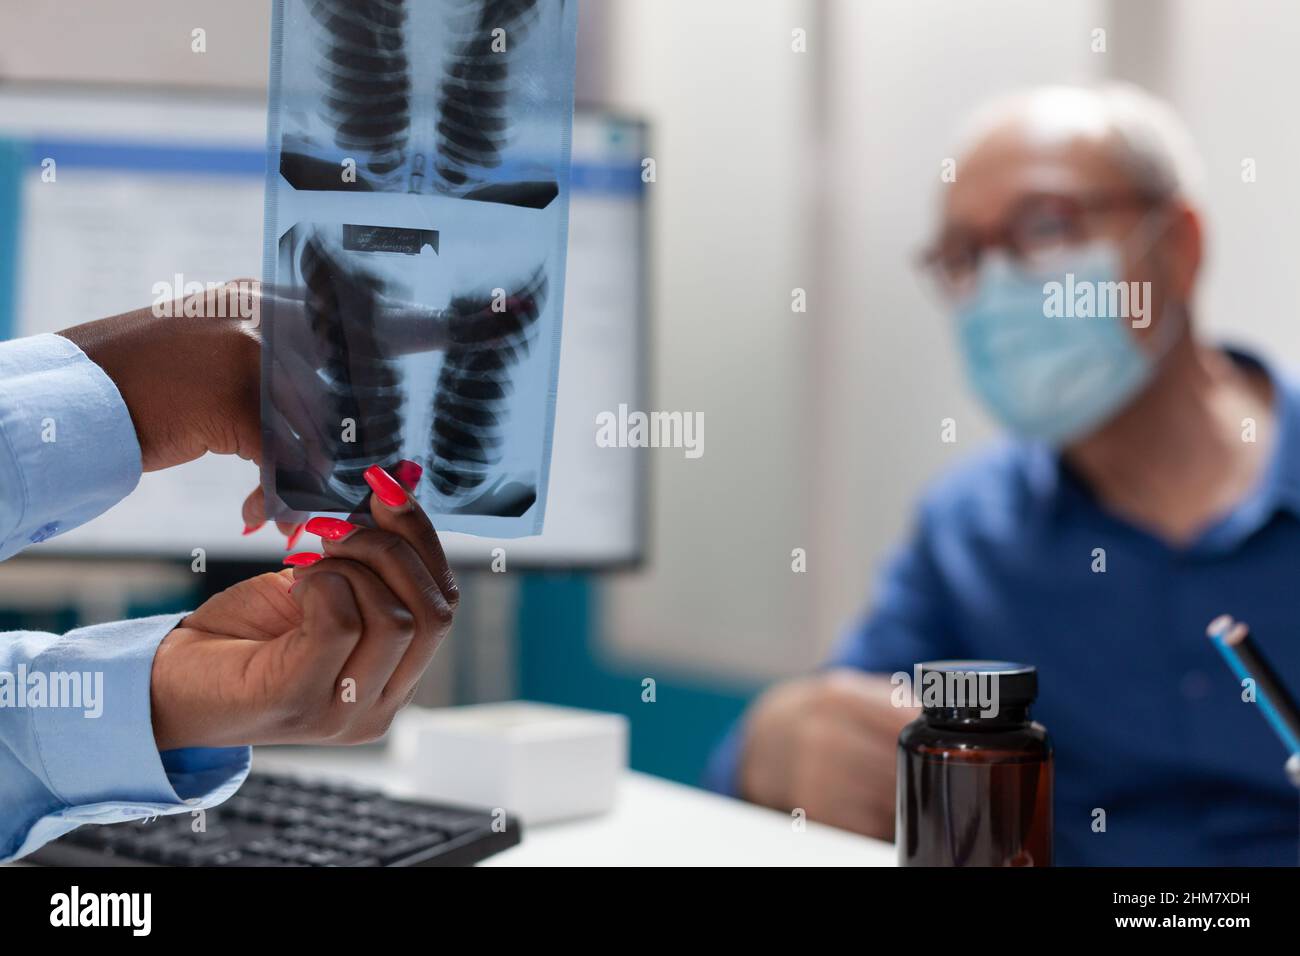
x=416 y=223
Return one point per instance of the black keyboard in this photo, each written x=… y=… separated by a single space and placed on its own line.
x=279 y=820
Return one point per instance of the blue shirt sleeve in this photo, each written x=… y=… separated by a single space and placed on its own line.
x=68 y=450
x=722 y=774
x=907 y=624
x=76 y=736
x=76 y=729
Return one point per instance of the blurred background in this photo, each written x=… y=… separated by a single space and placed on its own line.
x=776 y=170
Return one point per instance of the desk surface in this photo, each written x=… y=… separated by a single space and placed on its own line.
x=654 y=823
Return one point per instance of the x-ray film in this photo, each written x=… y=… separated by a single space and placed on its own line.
x=415 y=239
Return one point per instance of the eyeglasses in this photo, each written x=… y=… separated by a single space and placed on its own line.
x=1040 y=229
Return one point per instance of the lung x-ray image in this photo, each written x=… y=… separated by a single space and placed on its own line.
x=442 y=97
x=417 y=213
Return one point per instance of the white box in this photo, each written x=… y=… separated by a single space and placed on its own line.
x=538 y=761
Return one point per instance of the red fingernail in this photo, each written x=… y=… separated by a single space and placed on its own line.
x=303 y=559
x=408 y=473
x=386 y=489
x=294 y=535
x=331 y=529
x=250 y=528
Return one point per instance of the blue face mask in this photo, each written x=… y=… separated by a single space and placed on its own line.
x=1051 y=379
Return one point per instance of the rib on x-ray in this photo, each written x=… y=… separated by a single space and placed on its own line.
x=416 y=228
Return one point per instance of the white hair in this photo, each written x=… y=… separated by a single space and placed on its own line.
x=1147 y=137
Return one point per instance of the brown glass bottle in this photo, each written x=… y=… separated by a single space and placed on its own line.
x=974 y=786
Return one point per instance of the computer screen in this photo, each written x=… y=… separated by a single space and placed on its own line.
x=105 y=195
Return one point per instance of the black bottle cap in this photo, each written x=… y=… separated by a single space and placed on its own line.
x=1017 y=684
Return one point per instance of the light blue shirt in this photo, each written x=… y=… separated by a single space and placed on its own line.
x=68 y=452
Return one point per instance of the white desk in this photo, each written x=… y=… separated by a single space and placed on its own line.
x=654 y=823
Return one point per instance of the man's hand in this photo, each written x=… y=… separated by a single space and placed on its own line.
x=827 y=744
x=332 y=660
x=191 y=382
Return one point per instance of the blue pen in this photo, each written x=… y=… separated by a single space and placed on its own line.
x=1232 y=638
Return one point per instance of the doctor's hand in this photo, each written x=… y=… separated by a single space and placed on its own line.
x=328 y=652
x=826 y=744
x=189 y=372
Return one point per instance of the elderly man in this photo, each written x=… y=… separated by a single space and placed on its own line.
x=1152 y=481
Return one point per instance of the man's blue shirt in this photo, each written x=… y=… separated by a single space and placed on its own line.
x=1148 y=724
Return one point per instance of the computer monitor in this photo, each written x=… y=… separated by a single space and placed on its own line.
x=148 y=186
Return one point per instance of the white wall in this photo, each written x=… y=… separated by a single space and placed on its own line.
x=729 y=103
x=136 y=41
x=1231 y=70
